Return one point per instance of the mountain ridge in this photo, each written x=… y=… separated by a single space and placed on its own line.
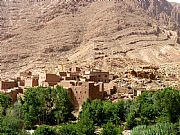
x=46 y=33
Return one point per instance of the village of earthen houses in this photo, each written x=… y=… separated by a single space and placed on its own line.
x=92 y=84
x=81 y=85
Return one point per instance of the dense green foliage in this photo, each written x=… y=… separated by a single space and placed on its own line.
x=150 y=114
x=150 y=108
x=46 y=106
x=69 y=129
x=44 y=130
x=86 y=127
x=168 y=104
x=11 y=126
x=102 y=112
x=80 y=128
x=110 y=129
x=5 y=102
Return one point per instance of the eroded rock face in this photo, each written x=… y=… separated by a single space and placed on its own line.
x=166 y=13
x=17 y=13
x=36 y=33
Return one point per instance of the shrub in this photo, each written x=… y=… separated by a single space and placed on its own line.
x=110 y=129
x=44 y=130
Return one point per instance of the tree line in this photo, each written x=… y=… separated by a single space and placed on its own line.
x=48 y=111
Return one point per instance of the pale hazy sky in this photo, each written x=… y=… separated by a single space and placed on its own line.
x=178 y=1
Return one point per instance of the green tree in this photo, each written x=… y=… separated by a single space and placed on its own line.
x=5 y=102
x=147 y=107
x=131 y=120
x=63 y=105
x=46 y=106
x=44 y=130
x=110 y=129
x=69 y=129
x=86 y=127
x=11 y=126
x=113 y=112
x=168 y=103
x=93 y=110
x=17 y=111
x=31 y=107
x=101 y=112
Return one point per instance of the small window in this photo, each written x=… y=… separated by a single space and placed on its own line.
x=99 y=75
x=85 y=92
x=80 y=92
x=106 y=76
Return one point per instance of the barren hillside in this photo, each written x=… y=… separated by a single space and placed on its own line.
x=36 y=34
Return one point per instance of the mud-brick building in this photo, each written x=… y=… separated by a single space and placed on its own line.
x=75 y=69
x=8 y=84
x=27 y=79
x=110 y=88
x=81 y=91
x=72 y=76
x=31 y=81
x=12 y=92
x=22 y=77
x=47 y=80
x=97 y=76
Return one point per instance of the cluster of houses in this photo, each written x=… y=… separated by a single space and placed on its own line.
x=81 y=84
x=90 y=84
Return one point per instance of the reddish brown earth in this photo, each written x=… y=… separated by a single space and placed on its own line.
x=108 y=34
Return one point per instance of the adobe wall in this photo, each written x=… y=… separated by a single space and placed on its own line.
x=75 y=69
x=31 y=82
x=110 y=88
x=4 y=85
x=79 y=95
x=65 y=84
x=99 y=77
x=84 y=90
x=62 y=73
x=72 y=76
x=51 y=79
x=20 y=81
x=13 y=95
x=96 y=91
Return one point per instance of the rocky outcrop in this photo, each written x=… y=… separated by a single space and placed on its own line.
x=166 y=13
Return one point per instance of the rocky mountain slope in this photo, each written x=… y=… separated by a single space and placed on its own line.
x=109 y=34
